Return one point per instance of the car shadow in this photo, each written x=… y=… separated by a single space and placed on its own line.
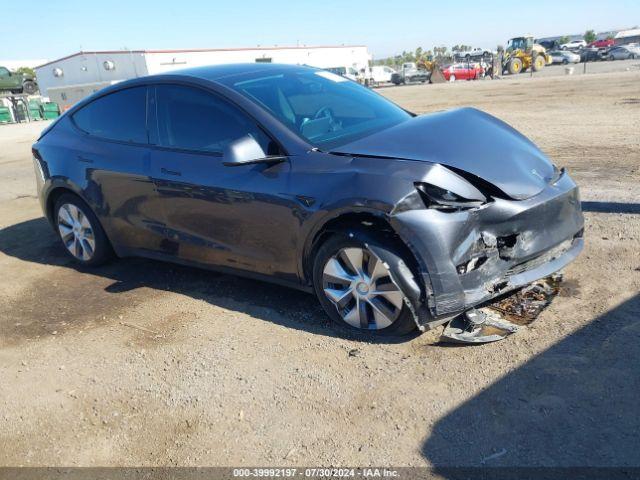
x=611 y=207
x=573 y=405
x=34 y=241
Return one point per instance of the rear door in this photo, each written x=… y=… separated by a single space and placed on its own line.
x=114 y=153
x=216 y=214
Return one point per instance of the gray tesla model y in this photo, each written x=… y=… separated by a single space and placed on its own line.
x=296 y=175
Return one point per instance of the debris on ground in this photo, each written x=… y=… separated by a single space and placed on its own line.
x=497 y=320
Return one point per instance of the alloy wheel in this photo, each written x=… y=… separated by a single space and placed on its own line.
x=76 y=232
x=359 y=285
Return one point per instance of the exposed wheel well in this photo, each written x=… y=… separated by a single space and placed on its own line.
x=360 y=221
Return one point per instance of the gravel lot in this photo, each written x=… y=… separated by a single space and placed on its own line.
x=145 y=363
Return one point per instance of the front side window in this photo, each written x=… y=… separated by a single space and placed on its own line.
x=118 y=116
x=192 y=119
x=325 y=109
x=4 y=72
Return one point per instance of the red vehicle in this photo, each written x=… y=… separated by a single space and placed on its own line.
x=609 y=42
x=462 y=71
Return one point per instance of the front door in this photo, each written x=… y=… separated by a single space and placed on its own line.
x=238 y=217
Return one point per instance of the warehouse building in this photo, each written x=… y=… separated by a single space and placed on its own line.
x=71 y=78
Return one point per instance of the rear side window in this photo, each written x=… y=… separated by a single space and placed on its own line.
x=118 y=116
x=192 y=119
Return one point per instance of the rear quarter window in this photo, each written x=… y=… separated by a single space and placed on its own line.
x=118 y=116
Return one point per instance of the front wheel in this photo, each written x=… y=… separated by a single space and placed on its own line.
x=29 y=87
x=355 y=287
x=452 y=78
x=515 y=66
x=80 y=231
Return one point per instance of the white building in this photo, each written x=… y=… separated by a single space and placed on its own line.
x=69 y=79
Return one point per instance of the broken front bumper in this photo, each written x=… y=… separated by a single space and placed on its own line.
x=468 y=257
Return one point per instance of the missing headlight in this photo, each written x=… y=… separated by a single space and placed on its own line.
x=443 y=199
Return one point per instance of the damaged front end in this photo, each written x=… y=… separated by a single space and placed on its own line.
x=473 y=248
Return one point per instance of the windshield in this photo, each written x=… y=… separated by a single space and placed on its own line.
x=325 y=109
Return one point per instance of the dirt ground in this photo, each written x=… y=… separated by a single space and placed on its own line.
x=145 y=363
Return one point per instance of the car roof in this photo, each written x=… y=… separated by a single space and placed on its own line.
x=217 y=72
x=210 y=73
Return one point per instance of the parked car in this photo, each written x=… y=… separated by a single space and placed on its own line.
x=476 y=54
x=381 y=74
x=592 y=54
x=462 y=71
x=574 y=44
x=564 y=56
x=17 y=82
x=605 y=43
x=298 y=176
x=410 y=73
x=623 y=52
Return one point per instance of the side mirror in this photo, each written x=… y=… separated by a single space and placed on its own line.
x=247 y=151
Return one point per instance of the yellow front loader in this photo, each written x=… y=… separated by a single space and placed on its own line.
x=523 y=53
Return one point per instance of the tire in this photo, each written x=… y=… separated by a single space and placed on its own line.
x=611 y=58
x=565 y=62
x=538 y=63
x=80 y=232
x=452 y=78
x=29 y=87
x=632 y=56
x=515 y=66
x=337 y=259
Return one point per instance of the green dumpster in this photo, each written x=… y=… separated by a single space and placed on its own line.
x=21 y=112
x=50 y=110
x=34 y=110
x=5 y=114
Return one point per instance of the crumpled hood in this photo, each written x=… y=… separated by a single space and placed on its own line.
x=467 y=139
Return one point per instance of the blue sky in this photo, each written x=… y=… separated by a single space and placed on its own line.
x=54 y=28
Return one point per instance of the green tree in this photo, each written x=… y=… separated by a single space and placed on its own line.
x=27 y=71
x=590 y=36
x=563 y=40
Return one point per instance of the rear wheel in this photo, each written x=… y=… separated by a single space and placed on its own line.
x=80 y=231
x=515 y=66
x=355 y=288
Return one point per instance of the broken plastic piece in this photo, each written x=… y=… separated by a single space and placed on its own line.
x=477 y=326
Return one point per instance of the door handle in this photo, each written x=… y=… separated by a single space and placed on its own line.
x=170 y=172
x=84 y=159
